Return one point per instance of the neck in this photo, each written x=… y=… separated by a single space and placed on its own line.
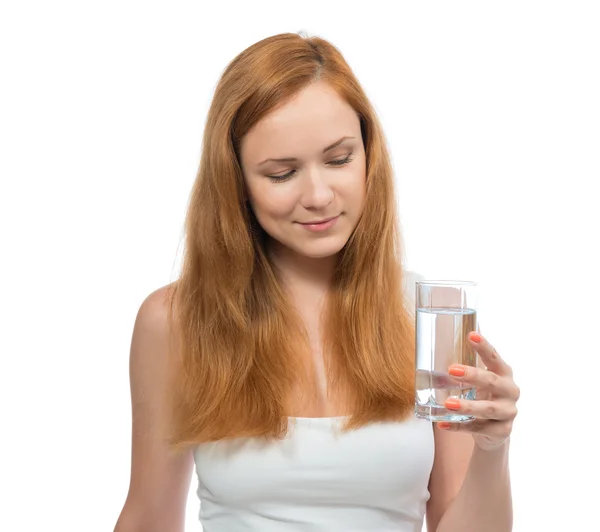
x=302 y=274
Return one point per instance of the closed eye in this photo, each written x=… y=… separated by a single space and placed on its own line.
x=284 y=177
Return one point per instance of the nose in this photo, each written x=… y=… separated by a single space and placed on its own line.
x=316 y=192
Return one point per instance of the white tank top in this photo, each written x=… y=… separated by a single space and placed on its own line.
x=318 y=479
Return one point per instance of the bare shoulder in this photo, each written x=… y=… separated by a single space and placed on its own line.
x=160 y=478
x=410 y=278
x=153 y=312
x=149 y=353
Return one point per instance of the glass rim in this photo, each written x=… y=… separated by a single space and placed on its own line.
x=447 y=283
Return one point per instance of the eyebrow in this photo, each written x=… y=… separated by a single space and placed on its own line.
x=294 y=159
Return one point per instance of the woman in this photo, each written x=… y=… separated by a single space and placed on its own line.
x=281 y=363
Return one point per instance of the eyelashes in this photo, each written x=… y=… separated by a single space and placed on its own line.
x=337 y=162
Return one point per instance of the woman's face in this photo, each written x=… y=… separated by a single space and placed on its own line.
x=317 y=184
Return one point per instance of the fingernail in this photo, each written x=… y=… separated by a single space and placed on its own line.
x=457 y=371
x=475 y=337
x=443 y=425
x=452 y=404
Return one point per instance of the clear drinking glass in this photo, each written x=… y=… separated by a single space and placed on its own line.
x=446 y=312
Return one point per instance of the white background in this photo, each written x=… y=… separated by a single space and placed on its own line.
x=492 y=115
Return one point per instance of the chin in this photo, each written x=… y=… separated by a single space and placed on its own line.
x=322 y=255
x=321 y=250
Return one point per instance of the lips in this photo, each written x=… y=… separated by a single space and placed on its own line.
x=319 y=221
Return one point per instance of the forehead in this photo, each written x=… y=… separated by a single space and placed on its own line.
x=303 y=126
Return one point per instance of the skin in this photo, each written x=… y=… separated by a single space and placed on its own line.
x=318 y=185
x=469 y=483
x=495 y=414
x=321 y=184
x=467 y=455
x=483 y=499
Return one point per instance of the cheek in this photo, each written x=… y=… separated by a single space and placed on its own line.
x=269 y=204
x=357 y=189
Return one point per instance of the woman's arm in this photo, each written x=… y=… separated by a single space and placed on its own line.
x=160 y=478
x=484 y=500
x=452 y=457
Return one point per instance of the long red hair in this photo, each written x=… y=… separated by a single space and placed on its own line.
x=238 y=340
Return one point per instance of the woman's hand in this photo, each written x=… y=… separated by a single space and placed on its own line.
x=494 y=408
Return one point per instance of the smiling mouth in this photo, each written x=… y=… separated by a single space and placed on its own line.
x=319 y=221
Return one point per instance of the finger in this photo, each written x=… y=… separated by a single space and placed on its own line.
x=486 y=380
x=489 y=356
x=435 y=379
x=474 y=426
x=495 y=430
x=498 y=410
